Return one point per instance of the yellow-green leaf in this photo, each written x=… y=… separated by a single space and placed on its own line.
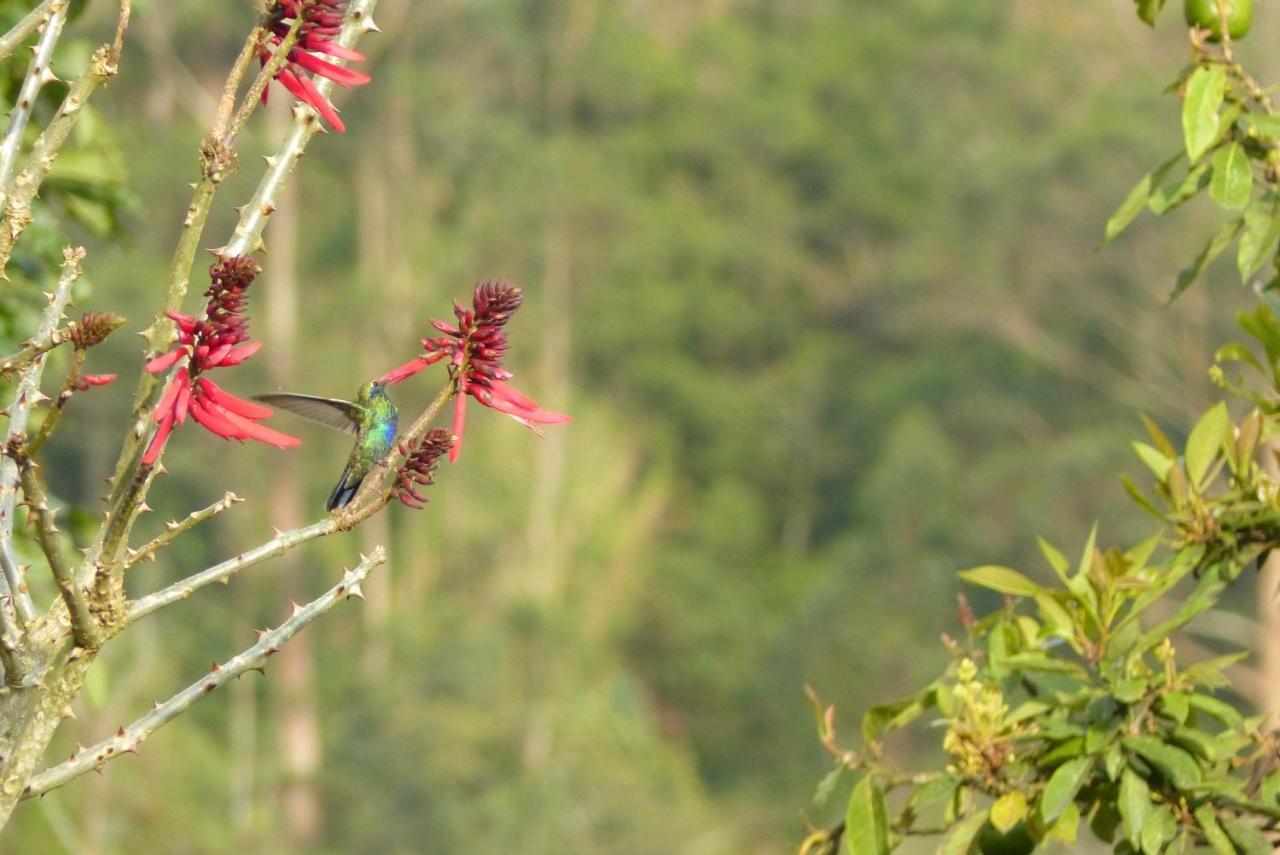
x=1212 y=831
x=1062 y=787
x=1175 y=764
x=866 y=829
x=1205 y=441
x=1135 y=806
x=1002 y=579
x=1231 y=185
x=1008 y=811
x=1200 y=126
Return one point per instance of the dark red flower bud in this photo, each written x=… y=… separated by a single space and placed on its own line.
x=419 y=467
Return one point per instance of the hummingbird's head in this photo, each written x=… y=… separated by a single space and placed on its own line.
x=372 y=389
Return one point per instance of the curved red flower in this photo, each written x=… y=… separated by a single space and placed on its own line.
x=219 y=340
x=321 y=24
x=474 y=347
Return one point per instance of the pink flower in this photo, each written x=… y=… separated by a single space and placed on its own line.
x=321 y=24
x=219 y=340
x=87 y=381
x=474 y=347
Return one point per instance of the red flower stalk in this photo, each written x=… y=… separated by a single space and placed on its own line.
x=317 y=34
x=219 y=340
x=419 y=468
x=475 y=347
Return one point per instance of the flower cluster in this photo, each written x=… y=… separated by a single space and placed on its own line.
x=93 y=329
x=317 y=37
x=474 y=347
x=219 y=340
x=419 y=467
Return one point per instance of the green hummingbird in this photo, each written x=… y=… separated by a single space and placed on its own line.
x=372 y=417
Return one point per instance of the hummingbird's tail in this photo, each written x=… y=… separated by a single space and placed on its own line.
x=345 y=491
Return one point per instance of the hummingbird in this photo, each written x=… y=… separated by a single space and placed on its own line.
x=372 y=417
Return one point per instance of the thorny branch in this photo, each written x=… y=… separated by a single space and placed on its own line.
x=128 y=738
x=175 y=529
x=38 y=74
x=34 y=20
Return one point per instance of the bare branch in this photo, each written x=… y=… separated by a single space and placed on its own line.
x=83 y=626
x=35 y=348
x=128 y=738
x=27 y=394
x=223 y=572
x=38 y=74
x=54 y=415
x=174 y=530
x=33 y=21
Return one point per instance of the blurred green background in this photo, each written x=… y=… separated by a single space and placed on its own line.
x=817 y=281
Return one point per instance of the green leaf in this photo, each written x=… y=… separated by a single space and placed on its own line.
x=1129 y=691
x=1261 y=234
x=1214 y=248
x=1232 y=183
x=1036 y=660
x=1200 y=126
x=1055 y=616
x=1175 y=192
x=1056 y=559
x=1113 y=760
x=1149 y=9
x=939 y=789
x=1153 y=459
x=1137 y=199
x=1008 y=811
x=1064 y=830
x=1269 y=792
x=1208 y=672
x=1221 y=710
x=1205 y=441
x=866 y=828
x=1062 y=787
x=1236 y=352
x=1159 y=829
x=961 y=837
x=828 y=784
x=1175 y=764
x=1175 y=705
x=1212 y=831
x=1002 y=579
x=1267 y=126
x=887 y=717
x=1135 y=806
x=1247 y=836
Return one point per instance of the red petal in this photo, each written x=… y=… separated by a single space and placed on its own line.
x=410 y=368
x=321 y=103
x=261 y=433
x=459 y=423
x=241 y=353
x=183 y=404
x=215 y=357
x=213 y=421
x=158 y=441
x=506 y=399
x=332 y=48
x=217 y=395
x=165 y=361
x=337 y=73
x=186 y=323
x=164 y=407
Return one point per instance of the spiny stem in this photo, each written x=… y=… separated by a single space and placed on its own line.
x=36 y=348
x=38 y=74
x=174 y=530
x=128 y=738
x=83 y=626
x=268 y=72
x=54 y=415
x=33 y=21
x=278 y=545
x=27 y=394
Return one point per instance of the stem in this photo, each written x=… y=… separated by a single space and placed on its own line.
x=33 y=21
x=19 y=412
x=267 y=73
x=38 y=74
x=174 y=530
x=54 y=415
x=128 y=738
x=17 y=210
x=35 y=348
x=83 y=626
x=281 y=543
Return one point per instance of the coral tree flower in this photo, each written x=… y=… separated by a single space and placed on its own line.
x=219 y=340
x=474 y=347
x=317 y=34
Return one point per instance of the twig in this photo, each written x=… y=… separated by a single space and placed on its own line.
x=17 y=204
x=27 y=394
x=175 y=529
x=278 y=545
x=38 y=74
x=247 y=237
x=83 y=626
x=253 y=97
x=128 y=738
x=33 y=21
x=35 y=348
x=54 y=415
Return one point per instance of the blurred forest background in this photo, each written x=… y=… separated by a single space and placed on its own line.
x=816 y=279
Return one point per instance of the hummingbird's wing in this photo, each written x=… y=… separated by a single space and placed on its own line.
x=333 y=412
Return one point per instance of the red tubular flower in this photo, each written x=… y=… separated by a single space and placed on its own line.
x=321 y=24
x=219 y=340
x=88 y=380
x=474 y=347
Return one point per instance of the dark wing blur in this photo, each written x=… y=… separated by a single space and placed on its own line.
x=333 y=412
